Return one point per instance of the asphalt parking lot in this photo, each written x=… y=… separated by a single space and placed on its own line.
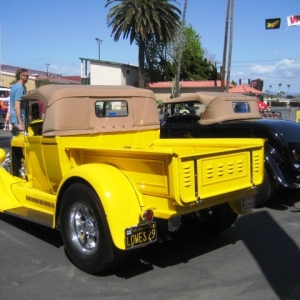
x=257 y=258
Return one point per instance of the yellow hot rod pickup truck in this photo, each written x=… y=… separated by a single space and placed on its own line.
x=91 y=164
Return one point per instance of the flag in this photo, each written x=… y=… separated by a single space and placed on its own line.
x=273 y=23
x=293 y=21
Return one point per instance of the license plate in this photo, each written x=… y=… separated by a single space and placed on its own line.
x=248 y=203
x=141 y=234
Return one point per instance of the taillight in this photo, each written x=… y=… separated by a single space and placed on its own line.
x=296 y=154
x=148 y=215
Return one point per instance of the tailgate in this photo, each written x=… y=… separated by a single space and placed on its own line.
x=210 y=167
x=205 y=177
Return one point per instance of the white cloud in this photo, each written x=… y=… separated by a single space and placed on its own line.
x=285 y=71
x=285 y=67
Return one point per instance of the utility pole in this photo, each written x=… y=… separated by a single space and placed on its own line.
x=47 y=70
x=225 y=48
x=230 y=45
x=181 y=44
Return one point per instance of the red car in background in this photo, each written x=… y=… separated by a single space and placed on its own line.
x=262 y=106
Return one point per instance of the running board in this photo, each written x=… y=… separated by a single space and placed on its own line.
x=31 y=215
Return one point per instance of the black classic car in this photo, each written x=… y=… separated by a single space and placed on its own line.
x=218 y=115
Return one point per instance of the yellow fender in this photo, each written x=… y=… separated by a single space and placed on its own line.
x=117 y=195
x=8 y=199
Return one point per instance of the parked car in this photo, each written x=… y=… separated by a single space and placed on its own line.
x=237 y=116
x=94 y=167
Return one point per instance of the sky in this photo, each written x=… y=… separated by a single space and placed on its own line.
x=34 y=33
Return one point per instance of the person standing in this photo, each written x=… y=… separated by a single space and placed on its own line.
x=17 y=106
x=7 y=122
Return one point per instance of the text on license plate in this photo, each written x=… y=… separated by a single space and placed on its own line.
x=248 y=203
x=142 y=234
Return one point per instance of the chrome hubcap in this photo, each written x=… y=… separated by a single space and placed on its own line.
x=83 y=228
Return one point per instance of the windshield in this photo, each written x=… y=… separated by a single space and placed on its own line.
x=184 y=108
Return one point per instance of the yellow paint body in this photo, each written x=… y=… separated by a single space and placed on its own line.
x=131 y=172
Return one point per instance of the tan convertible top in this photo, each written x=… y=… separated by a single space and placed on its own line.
x=71 y=109
x=219 y=106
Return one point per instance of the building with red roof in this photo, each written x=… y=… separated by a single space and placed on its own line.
x=244 y=89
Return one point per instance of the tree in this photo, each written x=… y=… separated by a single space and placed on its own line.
x=141 y=20
x=279 y=93
x=192 y=41
x=194 y=65
x=42 y=82
x=180 y=49
x=158 y=66
x=162 y=60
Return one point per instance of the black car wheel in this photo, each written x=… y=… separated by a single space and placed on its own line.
x=85 y=231
x=211 y=220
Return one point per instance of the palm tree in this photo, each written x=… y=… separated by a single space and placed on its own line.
x=141 y=20
x=279 y=93
x=288 y=86
x=270 y=96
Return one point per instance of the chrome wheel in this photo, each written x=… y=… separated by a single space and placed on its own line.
x=84 y=229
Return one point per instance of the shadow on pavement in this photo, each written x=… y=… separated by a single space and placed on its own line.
x=184 y=246
x=46 y=234
x=5 y=142
x=275 y=252
x=284 y=200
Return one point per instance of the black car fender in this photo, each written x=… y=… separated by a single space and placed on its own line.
x=275 y=172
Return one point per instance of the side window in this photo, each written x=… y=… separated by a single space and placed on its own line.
x=36 y=110
x=241 y=107
x=35 y=113
x=111 y=108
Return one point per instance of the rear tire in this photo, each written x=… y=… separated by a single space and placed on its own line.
x=211 y=220
x=265 y=190
x=85 y=231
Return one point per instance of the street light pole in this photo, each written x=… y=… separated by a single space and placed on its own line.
x=47 y=70
x=99 y=41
